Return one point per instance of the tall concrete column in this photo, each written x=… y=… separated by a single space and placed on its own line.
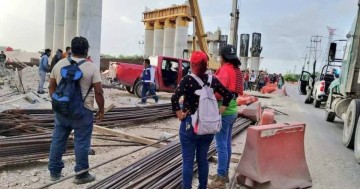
x=58 y=41
x=169 y=38
x=255 y=64
x=158 y=38
x=149 y=39
x=89 y=26
x=181 y=32
x=70 y=21
x=49 y=23
x=244 y=63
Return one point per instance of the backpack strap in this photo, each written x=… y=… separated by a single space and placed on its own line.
x=87 y=92
x=79 y=64
x=74 y=62
x=210 y=77
x=201 y=83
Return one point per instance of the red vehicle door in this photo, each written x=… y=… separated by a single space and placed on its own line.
x=169 y=73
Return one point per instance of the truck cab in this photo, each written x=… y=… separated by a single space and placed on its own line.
x=321 y=88
x=168 y=73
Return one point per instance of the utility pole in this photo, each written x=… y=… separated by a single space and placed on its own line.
x=310 y=50
x=315 y=40
x=305 y=58
x=295 y=69
x=233 y=38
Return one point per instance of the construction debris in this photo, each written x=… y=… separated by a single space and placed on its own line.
x=161 y=169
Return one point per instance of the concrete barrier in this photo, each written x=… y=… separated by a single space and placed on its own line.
x=274 y=158
x=268 y=117
x=252 y=112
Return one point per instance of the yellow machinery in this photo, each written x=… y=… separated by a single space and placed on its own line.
x=201 y=35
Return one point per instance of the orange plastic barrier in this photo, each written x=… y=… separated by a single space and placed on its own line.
x=268 y=117
x=269 y=88
x=274 y=157
x=246 y=100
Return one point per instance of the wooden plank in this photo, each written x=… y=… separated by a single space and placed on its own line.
x=133 y=138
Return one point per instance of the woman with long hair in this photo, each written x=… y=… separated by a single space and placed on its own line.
x=192 y=143
x=230 y=75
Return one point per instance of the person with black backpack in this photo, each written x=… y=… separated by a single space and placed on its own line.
x=198 y=114
x=71 y=82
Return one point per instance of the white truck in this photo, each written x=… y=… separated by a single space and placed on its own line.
x=344 y=97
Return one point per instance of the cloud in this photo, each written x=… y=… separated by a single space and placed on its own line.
x=127 y=20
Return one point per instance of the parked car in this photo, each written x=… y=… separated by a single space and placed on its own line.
x=169 y=72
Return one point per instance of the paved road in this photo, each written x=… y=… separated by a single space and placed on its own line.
x=331 y=164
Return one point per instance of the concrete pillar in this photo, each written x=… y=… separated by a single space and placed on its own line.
x=58 y=41
x=70 y=21
x=158 y=38
x=255 y=64
x=213 y=48
x=244 y=63
x=49 y=23
x=89 y=26
x=181 y=32
x=149 y=39
x=169 y=38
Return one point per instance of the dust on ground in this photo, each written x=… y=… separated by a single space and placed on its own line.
x=35 y=174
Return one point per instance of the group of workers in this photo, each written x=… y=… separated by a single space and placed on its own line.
x=45 y=67
x=252 y=81
x=227 y=84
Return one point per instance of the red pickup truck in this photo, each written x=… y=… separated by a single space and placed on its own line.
x=168 y=73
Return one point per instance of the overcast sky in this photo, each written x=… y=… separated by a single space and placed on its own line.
x=286 y=25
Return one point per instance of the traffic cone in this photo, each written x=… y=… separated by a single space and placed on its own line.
x=274 y=158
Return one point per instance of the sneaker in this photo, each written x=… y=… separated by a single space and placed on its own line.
x=218 y=183
x=84 y=178
x=55 y=176
x=41 y=92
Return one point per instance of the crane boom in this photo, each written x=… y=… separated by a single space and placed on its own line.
x=199 y=26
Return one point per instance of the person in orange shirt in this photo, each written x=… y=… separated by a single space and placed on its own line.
x=67 y=53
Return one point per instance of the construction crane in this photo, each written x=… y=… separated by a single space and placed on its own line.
x=201 y=35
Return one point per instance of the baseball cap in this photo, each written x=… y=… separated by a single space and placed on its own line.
x=47 y=50
x=198 y=57
x=229 y=52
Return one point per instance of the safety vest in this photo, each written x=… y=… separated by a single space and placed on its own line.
x=146 y=75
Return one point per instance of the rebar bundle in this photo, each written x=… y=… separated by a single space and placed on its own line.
x=29 y=121
x=161 y=169
x=25 y=148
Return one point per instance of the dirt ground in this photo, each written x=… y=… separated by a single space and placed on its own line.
x=33 y=175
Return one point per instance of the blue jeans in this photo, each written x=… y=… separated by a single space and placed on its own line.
x=148 y=88
x=260 y=86
x=82 y=130
x=42 y=76
x=191 y=144
x=223 y=144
